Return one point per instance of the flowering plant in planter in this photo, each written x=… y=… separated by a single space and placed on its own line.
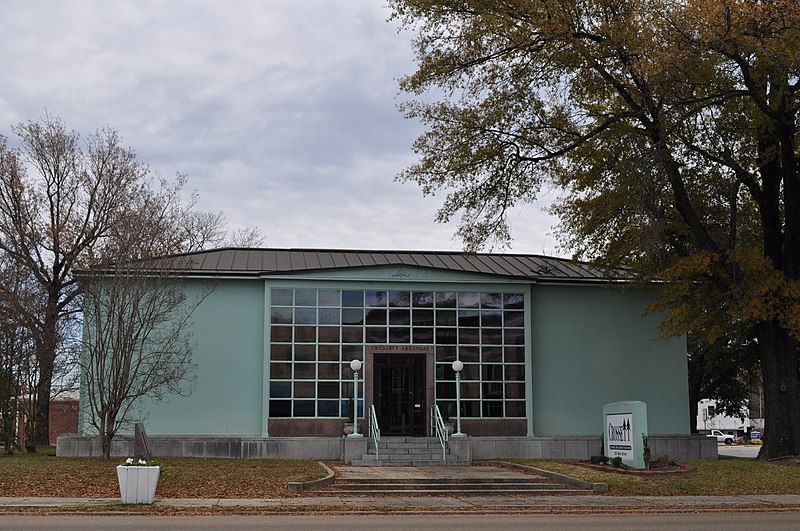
x=138 y=480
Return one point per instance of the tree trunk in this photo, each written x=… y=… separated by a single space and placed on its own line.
x=779 y=370
x=47 y=356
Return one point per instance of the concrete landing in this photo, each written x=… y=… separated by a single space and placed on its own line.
x=430 y=472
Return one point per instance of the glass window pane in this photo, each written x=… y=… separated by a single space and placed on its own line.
x=329 y=297
x=513 y=300
x=280 y=390
x=328 y=408
x=447 y=408
x=515 y=390
x=470 y=390
x=468 y=299
x=446 y=336
x=375 y=298
x=376 y=334
x=376 y=317
x=514 y=354
x=304 y=408
x=514 y=318
x=304 y=389
x=493 y=390
x=445 y=299
x=281 y=316
x=422 y=299
x=515 y=409
x=305 y=297
x=352 y=299
x=444 y=371
x=470 y=408
x=492 y=354
x=423 y=335
x=422 y=318
x=399 y=335
x=493 y=408
x=491 y=336
x=469 y=354
x=305 y=316
x=328 y=352
x=514 y=336
x=471 y=372
x=446 y=354
x=280 y=371
x=515 y=373
x=352 y=352
x=328 y=390
x=491 y=300
x=305 y=334
x=399 y=317
x=468 y=336
x=281 y=334
x=446 y=390
x=280 y=297
x=492 y=373
x=491 y=318
x=280 y=352
x=329 y=316
x=328 y=334
x=305 y=352
x=352 y=334
x=445 y=318
x=399 y=299
x=280 y=408
x=305 y=371
x=469 y=318
x=352 y=316
x=328 y=371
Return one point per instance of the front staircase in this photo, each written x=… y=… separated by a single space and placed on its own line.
x=408 y=451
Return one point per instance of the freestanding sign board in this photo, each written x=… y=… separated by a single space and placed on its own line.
x=625 y=427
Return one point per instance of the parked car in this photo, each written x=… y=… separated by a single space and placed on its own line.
x=726 y=438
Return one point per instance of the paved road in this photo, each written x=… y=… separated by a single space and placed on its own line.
x=739 y=451
x=704 y=521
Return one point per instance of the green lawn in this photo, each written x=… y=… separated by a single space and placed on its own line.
x=725 y=476
x=24 y=474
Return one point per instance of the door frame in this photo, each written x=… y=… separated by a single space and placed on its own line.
x=405 y=350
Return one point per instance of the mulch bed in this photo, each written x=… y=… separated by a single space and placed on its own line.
x=669 y=470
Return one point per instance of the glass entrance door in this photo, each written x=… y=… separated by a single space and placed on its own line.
x=400 y=394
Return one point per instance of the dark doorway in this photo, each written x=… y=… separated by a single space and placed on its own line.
x=399 y=394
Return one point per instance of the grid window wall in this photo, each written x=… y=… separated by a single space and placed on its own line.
x=316 y=333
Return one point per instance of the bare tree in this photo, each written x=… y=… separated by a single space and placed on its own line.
x=82 y=203
x=138 y=343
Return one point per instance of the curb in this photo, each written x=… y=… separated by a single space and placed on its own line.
x=301 y=486
x=596 y=488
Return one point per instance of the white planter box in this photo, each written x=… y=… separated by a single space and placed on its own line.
x=137 y=484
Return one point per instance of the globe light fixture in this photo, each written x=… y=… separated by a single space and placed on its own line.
x=458 y=366
x=355 y=366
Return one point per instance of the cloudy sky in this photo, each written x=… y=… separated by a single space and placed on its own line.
x=283 y=113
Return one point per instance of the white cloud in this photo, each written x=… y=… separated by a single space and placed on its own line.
x=283 y=112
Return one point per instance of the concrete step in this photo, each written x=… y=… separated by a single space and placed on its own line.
x=439 y=481
x=407 y=446
x=405 y=450
x=403 y=462
x=413 y=455
x=450 y=486
x=463 y=492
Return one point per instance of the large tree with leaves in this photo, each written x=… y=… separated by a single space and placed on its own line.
x=671 y=129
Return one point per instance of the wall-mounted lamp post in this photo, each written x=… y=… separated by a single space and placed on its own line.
x=355 y=365
x=457 y=366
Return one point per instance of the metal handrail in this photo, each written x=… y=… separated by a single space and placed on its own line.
x=437 y=425
x=374 y=430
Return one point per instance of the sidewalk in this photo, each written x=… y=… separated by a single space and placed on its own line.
x=355 y=503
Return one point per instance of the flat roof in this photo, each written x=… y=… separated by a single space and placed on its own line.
x=238 y=261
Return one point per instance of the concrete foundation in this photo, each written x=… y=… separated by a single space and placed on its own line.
x=679 y=447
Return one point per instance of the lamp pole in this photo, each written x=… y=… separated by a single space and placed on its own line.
x=457 y=366
x=355 y=365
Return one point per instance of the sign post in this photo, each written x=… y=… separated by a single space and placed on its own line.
x=624 y=431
